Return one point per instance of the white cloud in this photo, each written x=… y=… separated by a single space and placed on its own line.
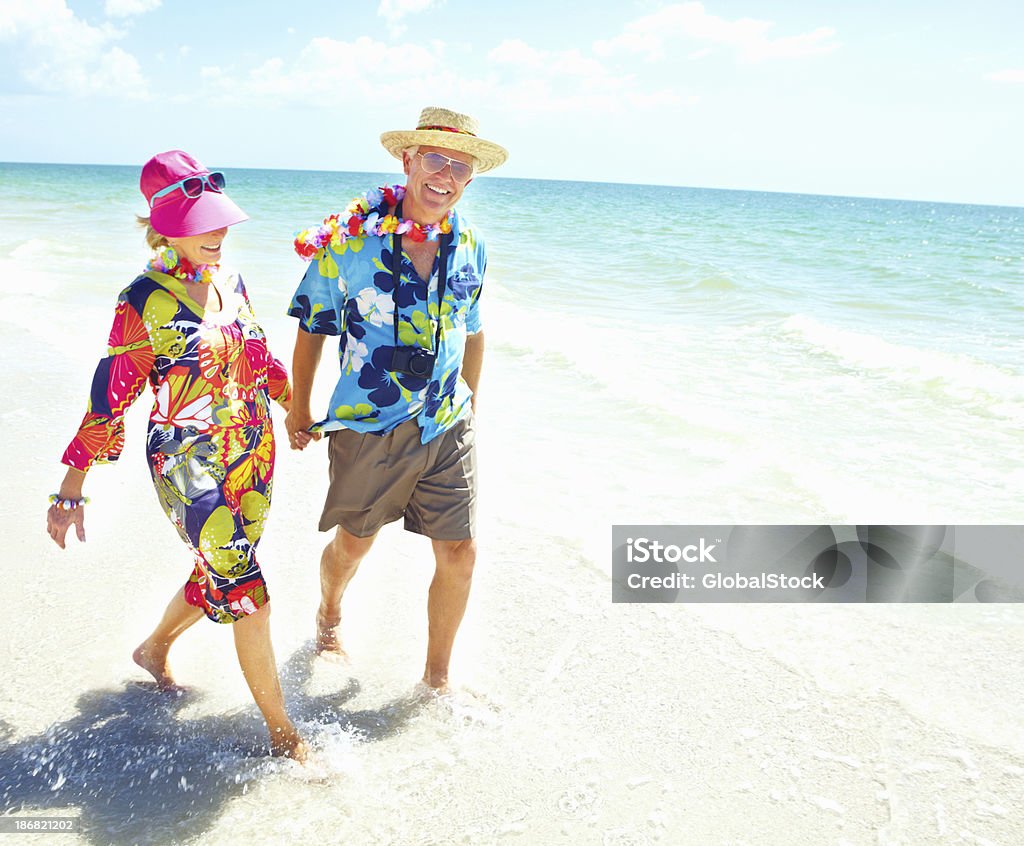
x=521 y=55
x=65 y=54
x=516 y=75
x=394 y=10
x=127 y=8
x=533 y=80
x=1008 y=75
x=513 y=51
x=112 y=72
x=326 y=66
x=17 y=16
x=652 y=34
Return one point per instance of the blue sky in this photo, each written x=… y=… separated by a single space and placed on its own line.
x=921 y=100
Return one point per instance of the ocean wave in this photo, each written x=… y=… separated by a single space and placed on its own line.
x=36 y=248
x=978 y=384
x=18 y=277
x=714 y=284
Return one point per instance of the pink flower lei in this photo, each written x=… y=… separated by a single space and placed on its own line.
x=168 y=261
x=369 y=214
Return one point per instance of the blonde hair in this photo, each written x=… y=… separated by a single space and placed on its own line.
x=153 y=238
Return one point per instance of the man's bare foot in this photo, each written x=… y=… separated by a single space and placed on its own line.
x=328 y=637
x=154 y=661
x=287 y=743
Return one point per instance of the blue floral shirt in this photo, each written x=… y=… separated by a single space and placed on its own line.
x=349 y=291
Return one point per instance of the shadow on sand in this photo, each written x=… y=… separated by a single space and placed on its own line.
x=140 y=773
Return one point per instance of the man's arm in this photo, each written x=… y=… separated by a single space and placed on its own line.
x=473 y=362
x=308 y=347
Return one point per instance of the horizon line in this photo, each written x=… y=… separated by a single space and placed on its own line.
x=583 y=181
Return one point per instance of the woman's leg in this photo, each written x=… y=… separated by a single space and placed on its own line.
x=256 y=658
x=151 y=654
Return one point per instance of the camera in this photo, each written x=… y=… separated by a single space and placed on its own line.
x=413 y=361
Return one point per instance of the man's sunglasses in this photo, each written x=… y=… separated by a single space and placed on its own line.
x=435 y=163
x=192 y=186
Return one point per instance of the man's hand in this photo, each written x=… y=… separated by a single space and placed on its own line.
x=297 y=423
x=472 y=363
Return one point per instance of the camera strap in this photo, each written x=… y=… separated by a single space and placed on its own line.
x=442 y=279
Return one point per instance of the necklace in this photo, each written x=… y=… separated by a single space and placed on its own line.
x=369 y=214
x=168 y=261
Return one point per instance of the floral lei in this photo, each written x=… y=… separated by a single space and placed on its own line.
x=168 y=261
x=368 y=215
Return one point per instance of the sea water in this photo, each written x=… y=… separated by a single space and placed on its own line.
x=660 y=353
x=654 y=355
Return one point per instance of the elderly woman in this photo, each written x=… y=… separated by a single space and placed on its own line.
x=187 y=327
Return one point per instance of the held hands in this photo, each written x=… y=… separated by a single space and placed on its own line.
x=297 y=423
x=58 y=521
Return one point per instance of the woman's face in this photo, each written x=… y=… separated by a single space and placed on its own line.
x=200 y=249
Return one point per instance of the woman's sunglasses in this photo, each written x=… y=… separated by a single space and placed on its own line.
x=193 y=186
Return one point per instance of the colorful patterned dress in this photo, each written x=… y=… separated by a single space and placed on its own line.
x=211 y=443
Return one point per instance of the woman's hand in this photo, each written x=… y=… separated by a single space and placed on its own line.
x=58 y=521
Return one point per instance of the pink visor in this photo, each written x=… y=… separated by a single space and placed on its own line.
x=176 y=215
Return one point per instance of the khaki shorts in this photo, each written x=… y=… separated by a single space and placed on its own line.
x=376 y=479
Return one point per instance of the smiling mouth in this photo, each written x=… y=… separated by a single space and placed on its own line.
x=443 y=192
x=215 y=248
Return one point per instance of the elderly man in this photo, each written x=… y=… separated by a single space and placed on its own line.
x=398 y=277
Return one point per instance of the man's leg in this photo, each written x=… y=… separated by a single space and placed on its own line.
x=338 y=565
x=446 y=605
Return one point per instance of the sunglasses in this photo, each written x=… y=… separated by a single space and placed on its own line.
x=435 y=163
x=193 y=186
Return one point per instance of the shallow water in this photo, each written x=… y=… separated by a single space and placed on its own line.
x=733 y=357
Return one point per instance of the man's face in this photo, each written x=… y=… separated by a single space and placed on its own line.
x=432 y=195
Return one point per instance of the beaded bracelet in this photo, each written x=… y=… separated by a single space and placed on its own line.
x=67 y=504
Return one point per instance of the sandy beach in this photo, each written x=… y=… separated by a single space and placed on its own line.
x=573 y=720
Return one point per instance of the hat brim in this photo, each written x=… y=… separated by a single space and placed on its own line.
x=187 y=216
x=488 y=155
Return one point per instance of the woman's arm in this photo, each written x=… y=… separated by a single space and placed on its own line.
x=119 y=379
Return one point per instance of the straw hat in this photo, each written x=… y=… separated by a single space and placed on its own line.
x=454 y=131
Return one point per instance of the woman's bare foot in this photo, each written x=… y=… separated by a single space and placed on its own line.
x=436 y=689
x=437 y=681
x=153 y=660
x=287 y=743
x=328 y=638
x=423 y=692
